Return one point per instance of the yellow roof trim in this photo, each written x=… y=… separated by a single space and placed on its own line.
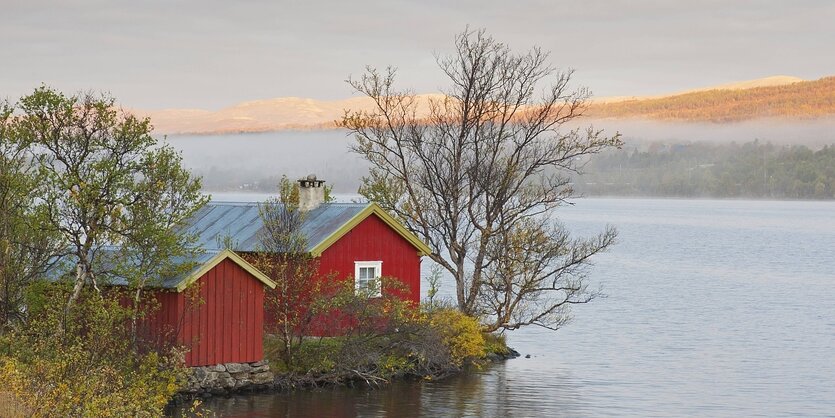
x=223 y=255
x=372 y=208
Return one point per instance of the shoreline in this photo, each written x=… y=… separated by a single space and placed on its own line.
x=287 y=382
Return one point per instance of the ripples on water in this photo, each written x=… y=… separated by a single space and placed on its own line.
x=714 y=308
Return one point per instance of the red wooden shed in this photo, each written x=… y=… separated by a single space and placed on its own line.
x=216 y=311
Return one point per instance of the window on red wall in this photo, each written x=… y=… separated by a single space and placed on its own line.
x=367 y=276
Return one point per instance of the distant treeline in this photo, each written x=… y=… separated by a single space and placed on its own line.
x=750 y=170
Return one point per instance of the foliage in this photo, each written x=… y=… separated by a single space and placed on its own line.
x=25 y=244
x=754 y=169
x=288 y=192
x=88 y=195
x=283 y=256
x=434 y=281
x=460 y=333
x=373 y=340
x=806 y=99
x=311 y=355
x=105 y=182
x=495 y=344
x=88 y=369
x=382 y=338
x=329 y=197
x=479 y=178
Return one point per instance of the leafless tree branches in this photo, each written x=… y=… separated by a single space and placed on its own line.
x=478 y=177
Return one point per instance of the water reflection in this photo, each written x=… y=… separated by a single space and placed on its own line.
x=478 y=393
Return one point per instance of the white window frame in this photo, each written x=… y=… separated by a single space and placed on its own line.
x=378 y=272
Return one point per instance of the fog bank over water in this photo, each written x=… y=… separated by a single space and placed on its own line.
x=812 y=133
x=255 y=161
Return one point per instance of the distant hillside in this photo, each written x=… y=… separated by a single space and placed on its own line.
x=279 y=114
x=771 y=97
x=797 y=100
x=776 y=80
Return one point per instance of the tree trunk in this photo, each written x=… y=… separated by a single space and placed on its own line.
x=80 y=278
x=133 y=319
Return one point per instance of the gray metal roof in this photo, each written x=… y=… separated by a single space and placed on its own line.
x=104 y=258
x=241 y=223
x=199 y=260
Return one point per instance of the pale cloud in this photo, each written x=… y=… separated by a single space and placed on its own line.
x=210 y=54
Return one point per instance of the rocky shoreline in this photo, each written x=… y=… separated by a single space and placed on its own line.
x=511 y=354
x=240 y=378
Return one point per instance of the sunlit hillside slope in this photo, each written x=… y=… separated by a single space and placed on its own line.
x=798 y=100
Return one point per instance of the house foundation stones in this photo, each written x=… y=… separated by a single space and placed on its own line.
x=228 y=378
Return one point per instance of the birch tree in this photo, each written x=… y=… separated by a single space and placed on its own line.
x=27 y=247
x=479 y=175
x=111 y=191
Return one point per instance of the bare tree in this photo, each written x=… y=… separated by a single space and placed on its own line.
x=479 y=175
x=284 y=257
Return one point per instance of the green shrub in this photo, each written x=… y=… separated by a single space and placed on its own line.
x=317 y=355
x=495 y=344
x=380 y=338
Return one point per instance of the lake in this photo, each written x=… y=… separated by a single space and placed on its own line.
x=714 y=308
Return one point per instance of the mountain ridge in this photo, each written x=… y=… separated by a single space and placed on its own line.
x=801 y=100
x=770 y=97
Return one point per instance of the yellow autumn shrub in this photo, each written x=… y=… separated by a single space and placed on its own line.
x=460 y=333
x=84 y=364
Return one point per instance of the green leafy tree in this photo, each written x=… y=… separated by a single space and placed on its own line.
x=86 y=187
x=113 y=192
x=26 y=245
x=479 y=177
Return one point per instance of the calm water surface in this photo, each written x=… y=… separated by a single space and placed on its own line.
x=714 y=308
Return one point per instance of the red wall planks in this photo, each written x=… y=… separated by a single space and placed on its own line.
x=222 y=323
x=228 y=324
x=373 y=240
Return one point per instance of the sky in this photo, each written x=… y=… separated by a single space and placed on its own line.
x=211 y=54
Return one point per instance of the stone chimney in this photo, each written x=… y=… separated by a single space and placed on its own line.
x=311 y=193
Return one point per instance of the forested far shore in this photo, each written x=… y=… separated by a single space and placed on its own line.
x=750 y=170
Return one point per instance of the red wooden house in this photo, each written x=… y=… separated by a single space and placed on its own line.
x=353 y=241
x=215 y=311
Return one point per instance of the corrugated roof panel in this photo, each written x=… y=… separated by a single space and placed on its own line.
x=241 y=222
x=105 y=256
x=216 y=221
x=327 y=219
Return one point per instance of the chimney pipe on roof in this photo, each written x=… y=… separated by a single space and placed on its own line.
x=311 y=193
